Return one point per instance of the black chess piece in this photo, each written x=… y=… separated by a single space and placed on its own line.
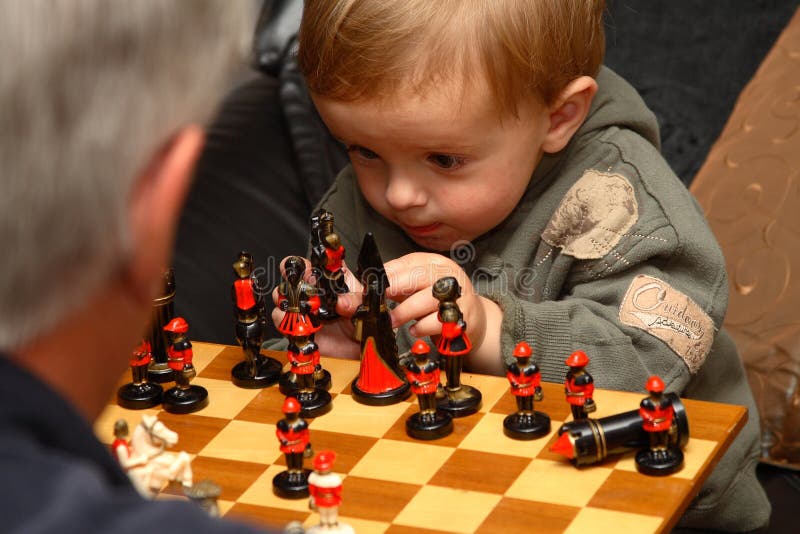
x=458 y=399
x=579 y=386
x=380 y=380
x=662 y=457
x=184 y=397
x=257 y=370
x=423 y=375
x=327 y=256
x=140 y=393
x=159 y=370
x=525 y=380
x=293 y=435
x=303 y=356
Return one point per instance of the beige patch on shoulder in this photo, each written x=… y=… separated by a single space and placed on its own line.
x=659 y=309
x=593 y=216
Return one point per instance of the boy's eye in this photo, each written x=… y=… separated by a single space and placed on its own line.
x=363 y=152
x=446 y=161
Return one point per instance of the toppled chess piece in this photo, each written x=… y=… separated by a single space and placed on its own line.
x=525 y=380
x=325 y=488
x=661 y=457
x=579 y=386
x=257 y=370
x=423 y=375
x=205 y=494
x=185 y=397
x=140 y=393
x=293 y=436
x=458 y=399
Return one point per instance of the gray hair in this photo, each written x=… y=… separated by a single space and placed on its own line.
x=89 y=90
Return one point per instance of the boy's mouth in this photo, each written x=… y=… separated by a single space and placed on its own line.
x=422 y=230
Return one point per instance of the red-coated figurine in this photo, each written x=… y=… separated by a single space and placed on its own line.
x=303 y=355
x=459 y=399
x=140 y=393
x=423 y=375
x=293 y=436
x=662 y=457
x=184 y=397
x=579 y=386
x=525 y=380
x=257 y=370
x=327 y=256
x=297 y=298
x=325 y=488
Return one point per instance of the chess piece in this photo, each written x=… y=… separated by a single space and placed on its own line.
x=579 y=386
x=292 y=432
x=163 y=312
x=325 y=488
x=327 y=254
x=150 y=465
x=458 y=399
x=184 y=397
x=122 y=452
x=423 y=375
x=380 y=380
x=205 y=494
x=257 y=370
x=297 y=298
x=140 y=393
x=661 y=457
x=590 y=441
x=303 y=356
x=525 y=380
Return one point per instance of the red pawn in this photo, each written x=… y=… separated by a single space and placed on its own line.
x=184 y=397
x=657 y=412
x=293 y=436
x=525 y=380
x=423 y=375
x=579 y=386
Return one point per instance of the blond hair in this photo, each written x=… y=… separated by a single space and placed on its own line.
x=354 y=49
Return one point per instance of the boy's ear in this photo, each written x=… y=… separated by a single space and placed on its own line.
x=568 y=112
x=155 y=206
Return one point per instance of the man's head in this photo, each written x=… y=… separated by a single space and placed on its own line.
x=100 y=103
x=91 y=95
x=447 y=107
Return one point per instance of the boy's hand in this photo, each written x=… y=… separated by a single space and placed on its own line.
x=335 y=339
x=411 y=278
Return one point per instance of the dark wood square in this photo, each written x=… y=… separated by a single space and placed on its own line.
x=461 y=427
x=479 y=471
x=542 y=518
x=376 y=500
x=622 y=491
x=194 y=431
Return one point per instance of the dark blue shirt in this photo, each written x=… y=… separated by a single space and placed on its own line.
x=57 y=477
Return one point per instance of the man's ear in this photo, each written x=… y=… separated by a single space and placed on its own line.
x=155 y=206
x=568 y=112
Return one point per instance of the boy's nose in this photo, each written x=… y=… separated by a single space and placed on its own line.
x=403 y=193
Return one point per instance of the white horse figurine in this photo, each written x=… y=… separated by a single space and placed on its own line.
x=149 y=465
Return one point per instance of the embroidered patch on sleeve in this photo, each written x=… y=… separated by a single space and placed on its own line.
x=664 y=312
x=593 y=216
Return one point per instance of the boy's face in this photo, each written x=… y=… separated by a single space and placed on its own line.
x=443 y=167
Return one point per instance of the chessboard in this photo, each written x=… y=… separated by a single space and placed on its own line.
x=474 y=480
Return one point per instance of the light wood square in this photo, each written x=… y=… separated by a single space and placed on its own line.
x=492 y=388
x=452 y=510
x=599 y=520
x=362 y=526
x=487 y=436
x=695 y=454
x=224 y=506
x=224 y=401
x=260 y=493
x=342 y=372
x=203 y=353
x=350 y=417
x=558 y=483
x=400 y=461
x=245 y=442
x=613 y=402
x=104 y=424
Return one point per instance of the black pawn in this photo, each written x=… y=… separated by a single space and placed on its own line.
x=526 y=425
x=288 y=381
x=292 y=483
x=662 y=457
x=268 y=371
x=428 y=426
x=422 y=373
x=659 y=462
x=185 y=400
x=314 y=402
x=140 y=394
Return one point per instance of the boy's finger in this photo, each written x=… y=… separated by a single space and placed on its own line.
x=418 y=305
x=347 y=303
x=427 y=326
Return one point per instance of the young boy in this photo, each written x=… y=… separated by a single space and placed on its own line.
x=488 y=143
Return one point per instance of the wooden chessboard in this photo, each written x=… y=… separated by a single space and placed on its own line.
x=475 y=480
